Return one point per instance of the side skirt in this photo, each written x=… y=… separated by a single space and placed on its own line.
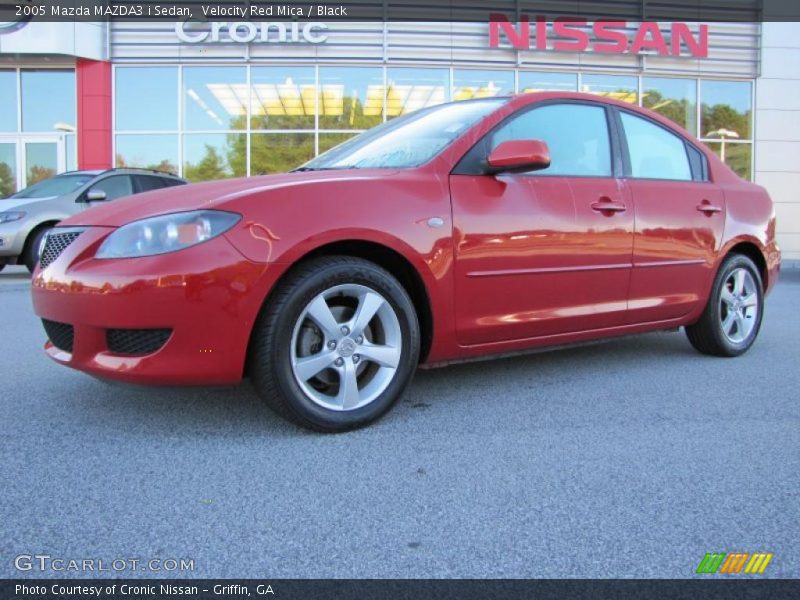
x=511 y=348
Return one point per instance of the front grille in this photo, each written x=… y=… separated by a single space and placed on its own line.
x=61 y=335
x=55 y=243
x=136 y=341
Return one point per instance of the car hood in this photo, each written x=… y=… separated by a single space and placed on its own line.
x=209 y=195
x=7 y=204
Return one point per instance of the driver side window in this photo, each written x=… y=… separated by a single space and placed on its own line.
x=115 y=186
x=577 y=135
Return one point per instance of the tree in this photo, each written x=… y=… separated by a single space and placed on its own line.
x=211 y=166
x=165 y=165
x=724 y=116
x=679 y=111
x=39 y=173
x=275 y=153
x=8 y=184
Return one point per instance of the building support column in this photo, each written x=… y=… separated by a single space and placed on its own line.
x=93 y=79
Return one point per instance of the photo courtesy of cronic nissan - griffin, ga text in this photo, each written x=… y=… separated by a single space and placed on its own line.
x=465 y=230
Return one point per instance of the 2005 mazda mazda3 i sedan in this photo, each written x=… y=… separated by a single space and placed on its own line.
x=463 y=230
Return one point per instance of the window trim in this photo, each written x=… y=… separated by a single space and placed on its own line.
x=627 y=171
x=469 y=165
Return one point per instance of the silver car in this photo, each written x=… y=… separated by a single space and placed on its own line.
x=25 y=217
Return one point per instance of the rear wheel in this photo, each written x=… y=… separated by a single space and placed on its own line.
x=336 y=345
x=30 y=257
x=732 y=318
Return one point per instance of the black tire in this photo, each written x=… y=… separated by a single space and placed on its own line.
x=270 y=353
x=707 y=335
x=2 y=267
x=30 y=257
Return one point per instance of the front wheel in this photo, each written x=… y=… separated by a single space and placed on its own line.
x=731 y=321
x=30 y=257
x=336 y=345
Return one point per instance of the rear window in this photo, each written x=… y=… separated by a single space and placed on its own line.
x=655 y=153
x=148 y=182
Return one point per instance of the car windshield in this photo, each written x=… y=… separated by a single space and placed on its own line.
x=408 y=141
x=55 y=186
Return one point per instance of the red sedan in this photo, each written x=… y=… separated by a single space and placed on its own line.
x=460 y=231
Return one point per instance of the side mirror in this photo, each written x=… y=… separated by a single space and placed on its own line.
x=95 y=195
x=519 y=156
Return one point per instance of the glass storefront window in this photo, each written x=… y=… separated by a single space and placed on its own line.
x=208 y=156
x=48 y=100
x=330 y=140
x=726 y=109
x=541 y=81
x=8 y=100
x=159 y=152
x=214 y=98
x=350 y=97
x=409 y=89
x=279 y=152
x=71 y=152
x=282 y=98
x=619 y=87
x=675 y=99
x=737 y=156
x=41 y=161
x=332 y=103
x=8 y=169
x=475 y=83
x=137 y=88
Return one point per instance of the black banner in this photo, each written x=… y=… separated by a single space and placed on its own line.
x=20 y=11
x=411 y=589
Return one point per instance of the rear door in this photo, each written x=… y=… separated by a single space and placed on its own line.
x=680 y=217
x=547 y=252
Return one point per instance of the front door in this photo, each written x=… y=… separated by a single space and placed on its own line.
x=28 y=159
x=548 y=252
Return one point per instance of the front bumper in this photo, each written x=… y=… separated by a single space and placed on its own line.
x=12 y=240
x=208 y=295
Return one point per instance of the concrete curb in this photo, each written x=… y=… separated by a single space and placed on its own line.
x=790 y=265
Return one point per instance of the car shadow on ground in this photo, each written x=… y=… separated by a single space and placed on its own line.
x=238 y=411
x=444 y=393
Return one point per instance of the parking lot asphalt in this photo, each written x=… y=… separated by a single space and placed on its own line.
x=632 y=458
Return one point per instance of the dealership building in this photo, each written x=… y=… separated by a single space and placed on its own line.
x=238 y=99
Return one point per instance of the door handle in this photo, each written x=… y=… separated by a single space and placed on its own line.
x=607 y=205
x=709 y=209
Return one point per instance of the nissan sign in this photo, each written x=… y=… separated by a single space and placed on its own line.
x=611 y=37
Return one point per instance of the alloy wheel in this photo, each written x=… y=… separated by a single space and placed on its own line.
x=739 y=305
x=346 y=347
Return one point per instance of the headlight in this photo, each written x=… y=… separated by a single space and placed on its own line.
x=167 y=233
x=7 y=217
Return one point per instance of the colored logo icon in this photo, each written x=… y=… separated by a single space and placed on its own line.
x=735 y=563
